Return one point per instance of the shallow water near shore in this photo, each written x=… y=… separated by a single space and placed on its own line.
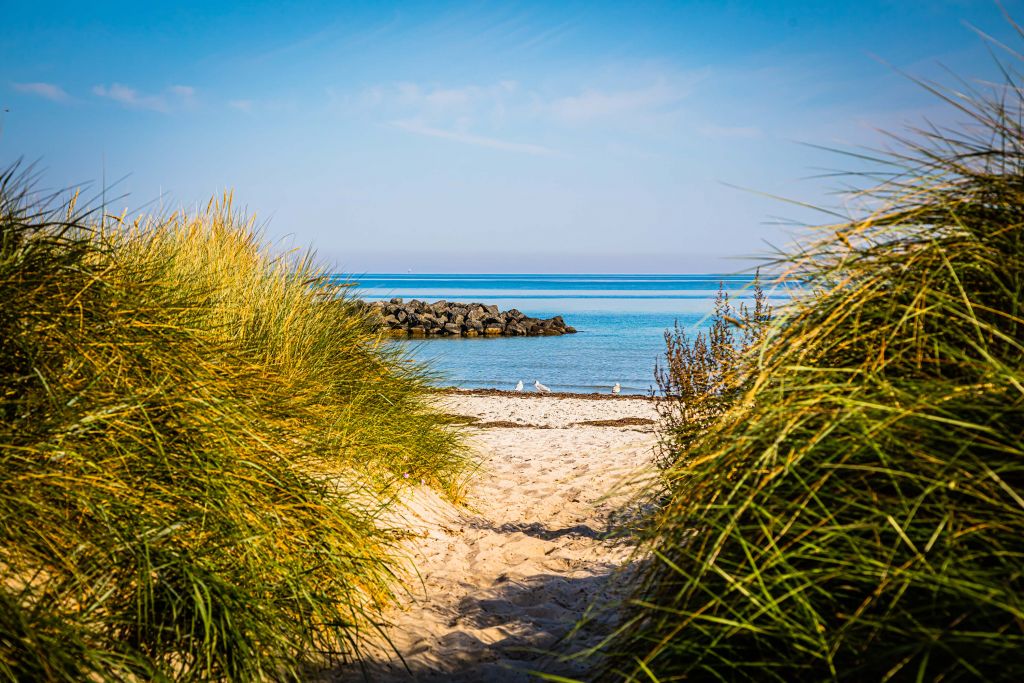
x=621 y=321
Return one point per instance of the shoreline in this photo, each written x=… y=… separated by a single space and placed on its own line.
x=594 y=396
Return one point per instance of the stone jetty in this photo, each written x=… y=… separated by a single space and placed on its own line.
x=417 y=318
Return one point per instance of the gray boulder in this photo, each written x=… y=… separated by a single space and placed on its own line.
x=420 y=319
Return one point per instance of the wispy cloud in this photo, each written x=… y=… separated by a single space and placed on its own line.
x=494 y=115
x=171 y=97
x=713 y=130
x=594 y=104
x=186 y=92
x=427 y=99
x=49 y=91
x=242 y=105
x=470 y=139
x=490 y=104
x=130 y=97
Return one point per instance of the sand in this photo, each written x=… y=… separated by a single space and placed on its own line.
x=544 y=532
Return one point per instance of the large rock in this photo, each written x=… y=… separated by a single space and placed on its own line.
x=417 y=318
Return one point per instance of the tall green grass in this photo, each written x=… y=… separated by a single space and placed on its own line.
x=196 y=441
x=857 y=513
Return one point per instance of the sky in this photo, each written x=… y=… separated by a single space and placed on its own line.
x=484 y=137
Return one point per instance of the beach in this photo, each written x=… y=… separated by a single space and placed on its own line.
x=512 y=342
x=500 y=582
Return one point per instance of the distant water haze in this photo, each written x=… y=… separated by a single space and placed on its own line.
x=621 y=320
x=504 y=261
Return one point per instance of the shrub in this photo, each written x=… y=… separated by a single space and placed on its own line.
x=701 y=379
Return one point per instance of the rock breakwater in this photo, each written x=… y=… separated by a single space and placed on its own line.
x=417 y=318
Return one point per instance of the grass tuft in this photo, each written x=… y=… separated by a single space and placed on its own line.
x=197 y=438
x=857 y=513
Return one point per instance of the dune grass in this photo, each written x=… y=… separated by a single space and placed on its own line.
x=857 y=513
x=197 y=439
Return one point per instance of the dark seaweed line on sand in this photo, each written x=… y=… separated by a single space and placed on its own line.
x=470 y=421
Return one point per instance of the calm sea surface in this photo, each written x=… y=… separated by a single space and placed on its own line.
x=621 y=321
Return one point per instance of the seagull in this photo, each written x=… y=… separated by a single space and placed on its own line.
x=616 y=389
x=540 y=387
x=519 y=387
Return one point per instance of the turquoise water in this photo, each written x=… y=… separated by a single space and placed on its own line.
x=621 y=321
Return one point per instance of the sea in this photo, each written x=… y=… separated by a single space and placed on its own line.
x=621 y=322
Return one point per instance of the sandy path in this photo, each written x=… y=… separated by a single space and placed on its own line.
x=503 y=581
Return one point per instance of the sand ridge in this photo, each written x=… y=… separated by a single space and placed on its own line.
x=504 y=580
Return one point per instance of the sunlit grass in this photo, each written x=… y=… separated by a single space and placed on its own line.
x=197 y=438
x=858 y=512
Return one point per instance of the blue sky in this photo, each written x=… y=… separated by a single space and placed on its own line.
x=511 y=137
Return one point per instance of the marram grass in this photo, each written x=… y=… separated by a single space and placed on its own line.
x=858 y=514
x=196 y=440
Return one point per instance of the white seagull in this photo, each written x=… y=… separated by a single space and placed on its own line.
x=519 y=387
x=540 y=387
x=616 y=389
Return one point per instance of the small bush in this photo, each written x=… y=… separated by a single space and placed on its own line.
x=195 y=443
x=701 y=379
